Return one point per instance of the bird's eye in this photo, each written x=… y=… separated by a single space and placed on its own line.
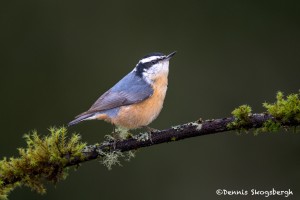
x=153 y=62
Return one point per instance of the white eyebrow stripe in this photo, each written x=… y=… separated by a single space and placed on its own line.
x=144 y=60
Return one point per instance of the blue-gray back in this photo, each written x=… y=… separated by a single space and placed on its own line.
x=129 y=90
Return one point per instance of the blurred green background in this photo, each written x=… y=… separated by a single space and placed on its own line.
x=57 y=57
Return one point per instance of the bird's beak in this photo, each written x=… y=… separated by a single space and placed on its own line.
x=168 y=57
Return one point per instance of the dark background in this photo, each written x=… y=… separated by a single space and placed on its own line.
x=57 y=57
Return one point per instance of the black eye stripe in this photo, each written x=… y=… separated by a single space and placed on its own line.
x=142 y=67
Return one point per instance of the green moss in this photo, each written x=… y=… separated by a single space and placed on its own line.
x=46 y=158
x=285 y=109
x=43 y=158
x=270 y=126
x=241 y=117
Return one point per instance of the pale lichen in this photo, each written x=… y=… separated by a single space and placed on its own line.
x=112 y=158
x=129 y=155
x=142 y=136
x=197 y=125
x=178 y=127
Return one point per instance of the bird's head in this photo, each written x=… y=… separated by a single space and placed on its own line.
x=153 y=65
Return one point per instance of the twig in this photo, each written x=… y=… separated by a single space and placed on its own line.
x=180 y=132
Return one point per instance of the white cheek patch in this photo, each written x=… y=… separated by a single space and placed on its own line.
x=154 y=68
x=149 y=74
x=159 y=69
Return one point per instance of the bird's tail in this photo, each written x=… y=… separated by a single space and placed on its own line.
x=80 y=119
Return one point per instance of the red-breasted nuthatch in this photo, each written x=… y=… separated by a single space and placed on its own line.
x=137 y=99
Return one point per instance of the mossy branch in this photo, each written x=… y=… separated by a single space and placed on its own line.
x=48 y=158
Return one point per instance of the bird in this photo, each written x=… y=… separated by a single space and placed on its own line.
x=137 y=99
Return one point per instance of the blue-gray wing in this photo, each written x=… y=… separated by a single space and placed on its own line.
x=129 y=90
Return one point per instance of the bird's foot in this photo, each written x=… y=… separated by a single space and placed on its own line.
x=120 y=133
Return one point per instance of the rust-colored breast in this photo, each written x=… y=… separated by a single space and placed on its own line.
x=143 y=113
